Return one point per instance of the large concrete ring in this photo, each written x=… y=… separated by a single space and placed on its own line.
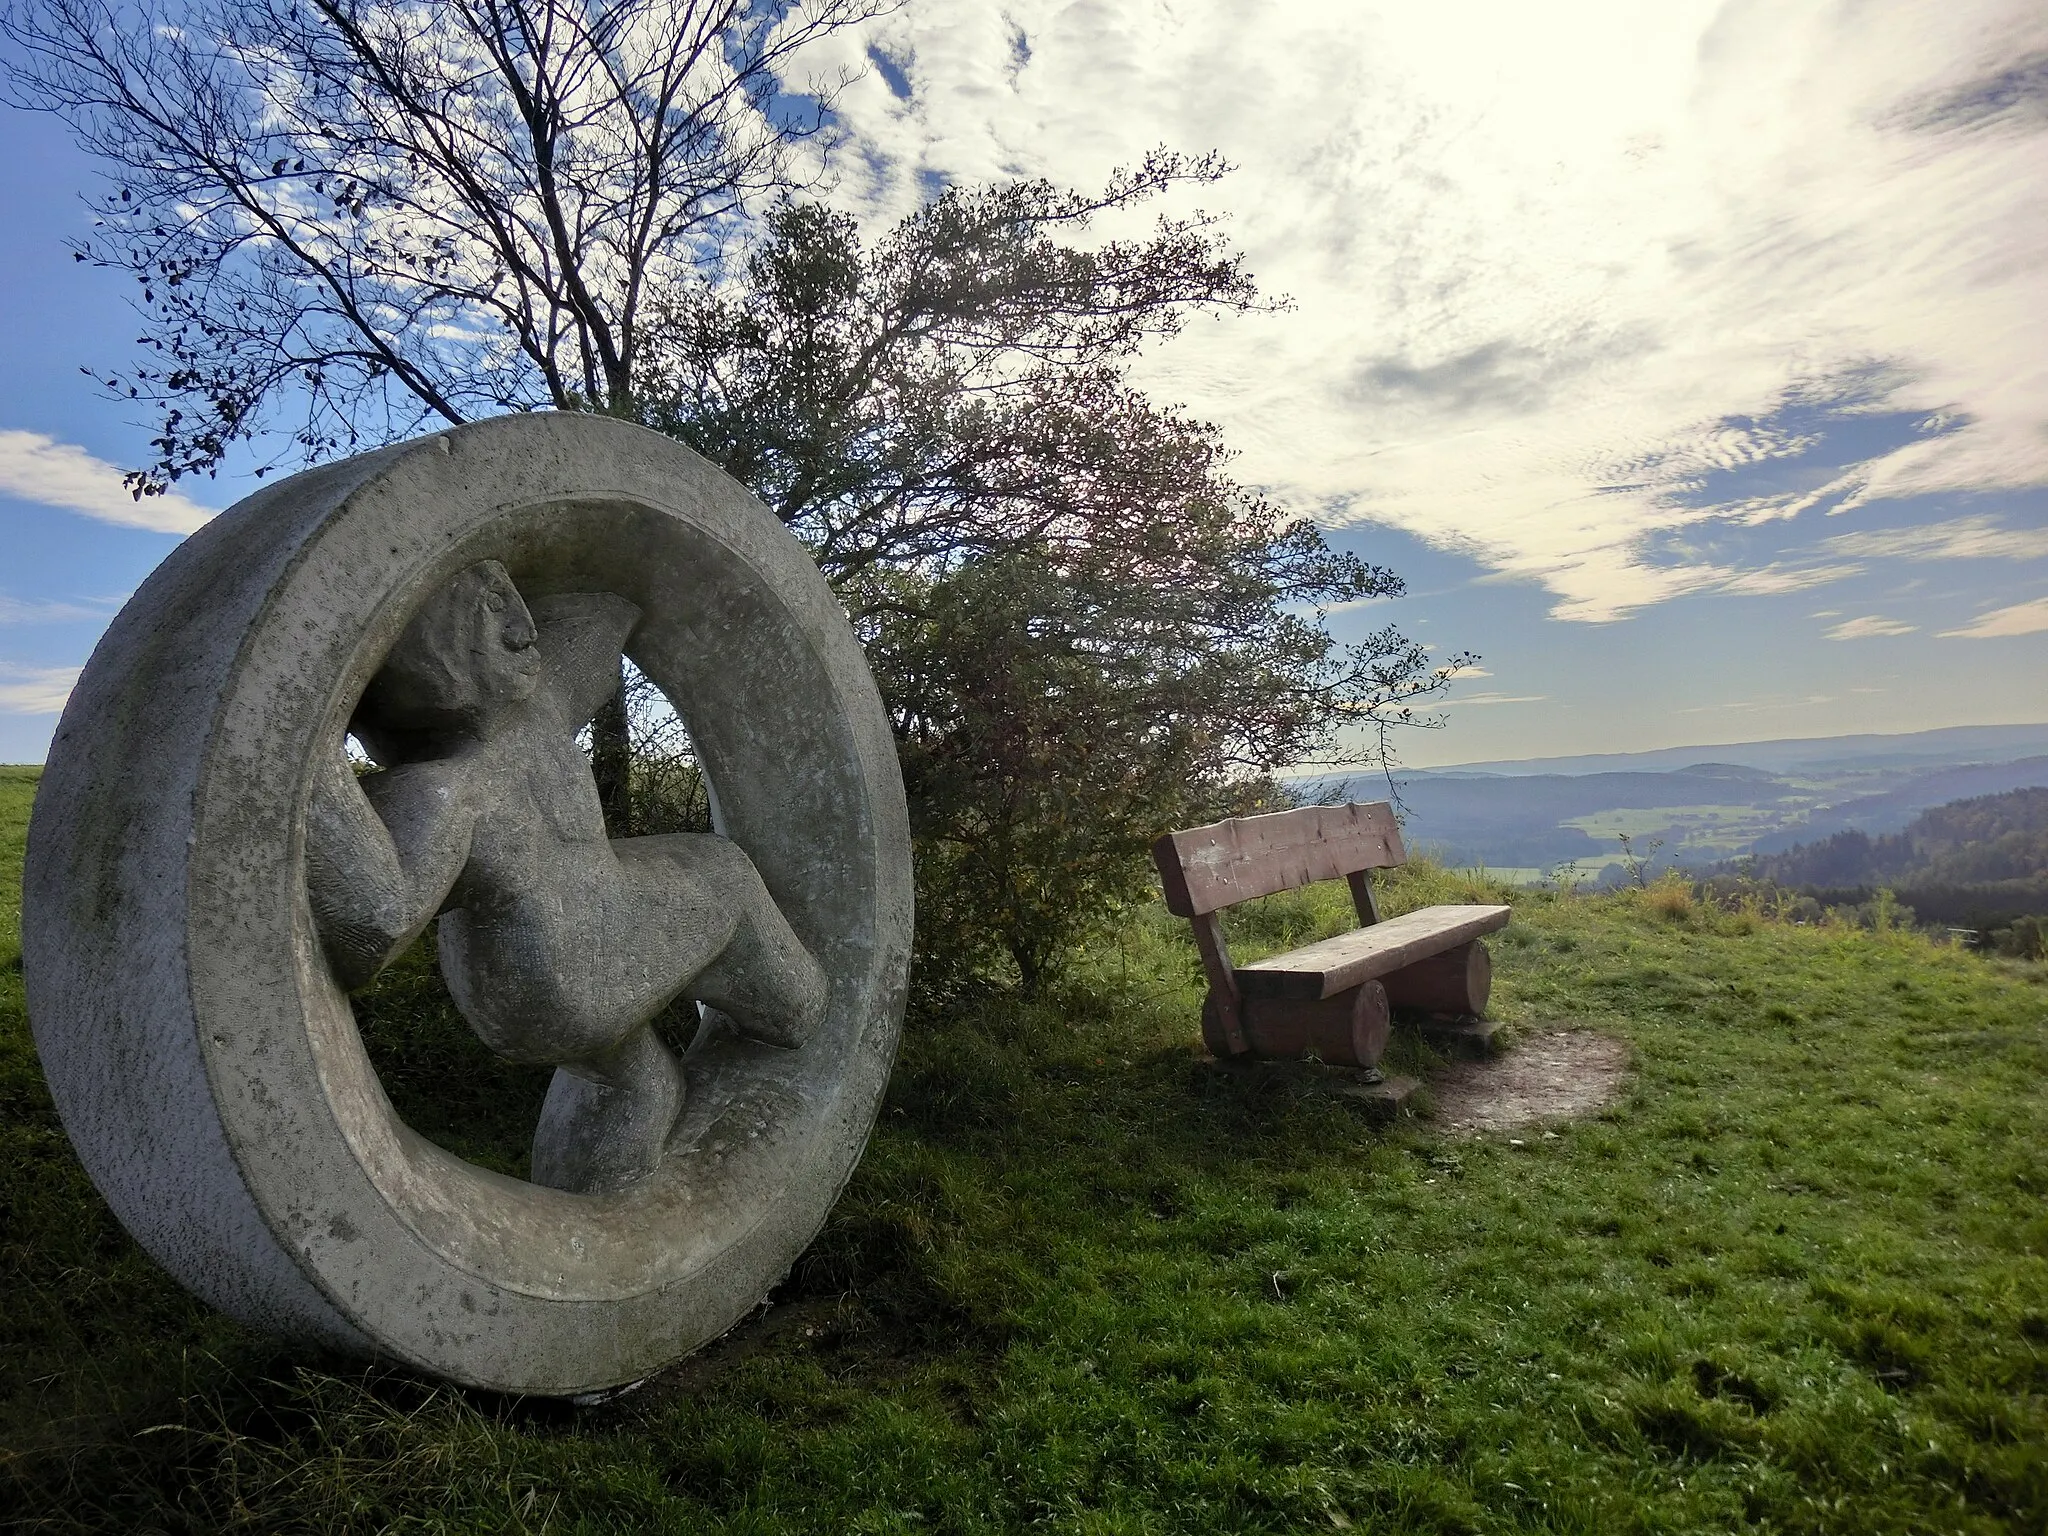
x=204 y=1062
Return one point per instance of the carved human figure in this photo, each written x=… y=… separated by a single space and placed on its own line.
x=559 y=944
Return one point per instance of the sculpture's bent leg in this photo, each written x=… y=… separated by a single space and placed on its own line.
x=764 y=979
x=607 y=1119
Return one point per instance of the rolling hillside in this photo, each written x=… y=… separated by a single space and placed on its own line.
x=1757 y=797
x=1976 y=863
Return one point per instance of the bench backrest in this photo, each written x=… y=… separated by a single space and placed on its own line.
x=1207 y=868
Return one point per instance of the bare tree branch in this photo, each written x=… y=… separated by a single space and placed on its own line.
x=394 y=211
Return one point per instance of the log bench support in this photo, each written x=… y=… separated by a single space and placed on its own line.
x=1331 y=1001
x=1347 y=1030
x=1452 y=985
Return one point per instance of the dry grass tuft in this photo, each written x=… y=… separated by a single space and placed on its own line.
x=1671 y=899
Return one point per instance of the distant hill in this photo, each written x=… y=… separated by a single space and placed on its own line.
x=1882 y=813
x=1525 y=822
x=1990 y=837
x=1701 y=804
x=1912 y=750
x=1978 y=863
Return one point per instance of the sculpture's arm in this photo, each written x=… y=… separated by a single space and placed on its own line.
x=581 y=636
x=378 y=872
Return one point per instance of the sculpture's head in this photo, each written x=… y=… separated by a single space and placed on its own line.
x=467 y=654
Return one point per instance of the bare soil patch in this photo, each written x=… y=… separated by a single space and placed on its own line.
x=1550 y=1074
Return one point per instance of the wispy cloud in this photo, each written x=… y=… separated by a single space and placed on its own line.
x=1497 y=698
x=1868 y=627
x=1769 y=704
x=2012 y=97
x=1849 y=554
x=1962 y=538
x=2029 y=618
x=1776 y=578
x=41 y=469
x=1559 y=272
x=14 y=610
x=35 y=690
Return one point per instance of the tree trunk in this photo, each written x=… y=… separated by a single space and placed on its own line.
x=611 y=760
x=1030 y=969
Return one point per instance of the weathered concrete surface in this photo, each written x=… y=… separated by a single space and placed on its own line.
x=200 y=1049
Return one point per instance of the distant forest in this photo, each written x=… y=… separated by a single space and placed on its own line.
x=1993 y=837
x=1978 y=863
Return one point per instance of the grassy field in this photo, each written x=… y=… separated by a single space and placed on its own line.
x=1719 y=830
x=1576 y=872
x=1796 y=1281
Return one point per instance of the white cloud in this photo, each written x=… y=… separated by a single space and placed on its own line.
x=1868 y=626
x=1962 y=538
x=36 y=690
x=41 y=469
x=2029 y=618
x=1771 y=703
x=1542 y=257
x=14 y=610
x=1773 y=579
x=1497 y=698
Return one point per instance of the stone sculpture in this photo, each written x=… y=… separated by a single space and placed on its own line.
x=207 y=879
x=559 y=945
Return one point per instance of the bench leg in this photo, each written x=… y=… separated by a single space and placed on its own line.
x=1348 y=1030
x=1456 y=982
x=1215 y=1034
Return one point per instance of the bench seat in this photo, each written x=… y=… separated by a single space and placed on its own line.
x=1332 y=1001
x=1336 y=965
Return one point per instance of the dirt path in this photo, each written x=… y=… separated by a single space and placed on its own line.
x=1556 y=1074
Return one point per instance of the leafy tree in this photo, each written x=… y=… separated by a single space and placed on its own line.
x=1084 y=629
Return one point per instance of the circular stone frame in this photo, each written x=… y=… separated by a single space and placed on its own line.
x=206 y=1065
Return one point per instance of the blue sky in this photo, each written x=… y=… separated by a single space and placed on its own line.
x=63 y=573
x=1687 y=360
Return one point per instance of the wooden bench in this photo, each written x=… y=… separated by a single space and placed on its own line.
x=1332 y=999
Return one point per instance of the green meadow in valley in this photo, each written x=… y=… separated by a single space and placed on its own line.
x=1794 y=1280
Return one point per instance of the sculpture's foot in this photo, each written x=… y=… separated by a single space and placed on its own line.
x=607 y=1120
